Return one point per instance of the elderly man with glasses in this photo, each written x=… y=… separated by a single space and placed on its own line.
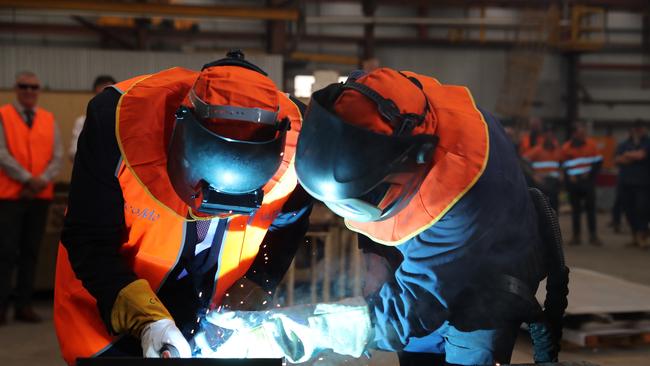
x=30 y=159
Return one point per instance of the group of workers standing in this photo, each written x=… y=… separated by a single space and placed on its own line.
x=575 y=164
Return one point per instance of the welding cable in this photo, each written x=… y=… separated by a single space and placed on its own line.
x=546 y=331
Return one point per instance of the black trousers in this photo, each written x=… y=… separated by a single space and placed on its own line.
x=636 y=201
x=582 y=196
x=22 y=224
x=551 y=188
x=617 y=209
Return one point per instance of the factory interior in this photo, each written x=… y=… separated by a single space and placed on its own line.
x=550 y=97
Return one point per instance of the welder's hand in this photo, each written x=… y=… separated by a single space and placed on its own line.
x=156 y=335
x=138 y=311
x=246 y=295
x=297 y=333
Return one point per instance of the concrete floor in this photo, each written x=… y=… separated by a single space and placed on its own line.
x=27 y=345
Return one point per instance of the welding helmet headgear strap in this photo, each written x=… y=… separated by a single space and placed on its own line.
x=203 y=111
x=359 y=174
x=402 y=123
x=216 y=174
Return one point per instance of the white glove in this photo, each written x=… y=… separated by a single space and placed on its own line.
x=297 y=333
x=156 y=335
x=246 y=339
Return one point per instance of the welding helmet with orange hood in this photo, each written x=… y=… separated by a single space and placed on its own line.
x=228 y=140
x=367 y=144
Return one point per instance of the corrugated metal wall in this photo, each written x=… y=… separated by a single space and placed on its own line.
x=75 y=69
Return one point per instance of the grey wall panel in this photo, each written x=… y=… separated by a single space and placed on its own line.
x=482 y=71
x=76 y=68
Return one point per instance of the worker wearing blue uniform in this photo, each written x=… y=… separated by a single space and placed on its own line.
x=450 y=267
x=414 y=165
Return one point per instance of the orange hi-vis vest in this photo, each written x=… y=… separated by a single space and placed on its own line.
x=31 y=147
x=155 y=216
x=459 y=161
x=526 y=142
x=579 y=160
x=544 y=161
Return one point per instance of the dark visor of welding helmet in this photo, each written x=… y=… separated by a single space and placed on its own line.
x=359 y=174
x=215 y=174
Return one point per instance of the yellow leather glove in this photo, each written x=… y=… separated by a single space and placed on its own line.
x=136 y=306
x=138 y=311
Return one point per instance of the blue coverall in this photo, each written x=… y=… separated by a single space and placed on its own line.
x=441 y=299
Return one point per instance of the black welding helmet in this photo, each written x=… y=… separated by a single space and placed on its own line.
x=221 y=155
x=358 y=173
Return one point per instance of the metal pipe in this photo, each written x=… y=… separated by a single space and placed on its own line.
x=527 y=4
x=572 y=90
x=166 y=34
x=147 y=10
x=185 y=36
x=440 y=22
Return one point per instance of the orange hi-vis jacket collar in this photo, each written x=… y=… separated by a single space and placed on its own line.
x=31 y=147
x=459 y=161
x=150 y=165
x=155 y=221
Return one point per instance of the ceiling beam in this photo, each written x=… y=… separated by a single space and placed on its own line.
x=154 y=9
x=189 y=36
x=610 y=4
x=164 y=34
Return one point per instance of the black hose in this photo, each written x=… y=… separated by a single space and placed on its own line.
x=546 y=332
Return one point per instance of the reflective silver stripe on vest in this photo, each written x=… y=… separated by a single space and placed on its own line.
x=117 y=168
x=545 y=164
x=583 y=160
x=579 y=171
